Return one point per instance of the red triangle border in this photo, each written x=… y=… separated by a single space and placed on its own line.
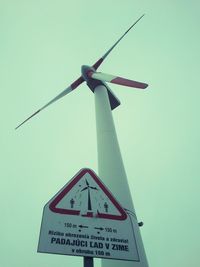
x=72 y=183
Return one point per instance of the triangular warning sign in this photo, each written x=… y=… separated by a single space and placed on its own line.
x=85 y=195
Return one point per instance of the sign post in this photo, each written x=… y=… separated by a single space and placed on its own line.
x=88 y=262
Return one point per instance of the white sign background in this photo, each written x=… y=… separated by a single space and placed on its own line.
x=84 y=219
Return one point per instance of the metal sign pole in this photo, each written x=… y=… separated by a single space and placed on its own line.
x=88 y=262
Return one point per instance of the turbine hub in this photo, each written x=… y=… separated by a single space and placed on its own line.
x=92 y=83
x=84 y=70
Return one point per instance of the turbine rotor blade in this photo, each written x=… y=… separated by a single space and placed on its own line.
x=28 y=118
x=94 y=188
x=85 y=188
x=74 y=85
x=117 y=80
x=98 y=63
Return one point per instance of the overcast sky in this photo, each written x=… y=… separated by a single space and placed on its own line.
x=43 y=45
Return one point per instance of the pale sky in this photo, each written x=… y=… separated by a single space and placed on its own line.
x=43 y=45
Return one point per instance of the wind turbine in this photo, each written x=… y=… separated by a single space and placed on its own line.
x=93 y=79
x=110 y=164
x=88 y=187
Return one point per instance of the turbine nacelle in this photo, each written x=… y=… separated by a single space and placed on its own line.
x=87 y=72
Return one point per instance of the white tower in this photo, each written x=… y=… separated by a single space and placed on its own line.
x=111 y=169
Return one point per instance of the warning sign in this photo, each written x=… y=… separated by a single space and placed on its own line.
x=88 y=197
x=85 y=219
